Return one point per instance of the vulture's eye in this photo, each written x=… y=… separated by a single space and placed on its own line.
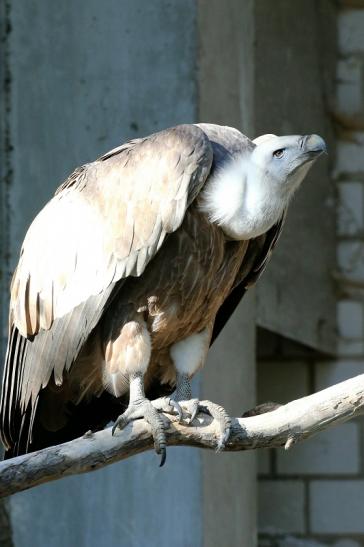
x=278 y=153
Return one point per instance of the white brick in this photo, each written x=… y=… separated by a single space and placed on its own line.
x=350 y=319
x=349 y=155
x=335 y=450
x=329 y=373
x=281 y=381
x=337 y=507
x=281 y=507
x=349 y=98
x=351 y=208
x=350 y=31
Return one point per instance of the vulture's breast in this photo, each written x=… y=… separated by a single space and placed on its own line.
x=183 y=287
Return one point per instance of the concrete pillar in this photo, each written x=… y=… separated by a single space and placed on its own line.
x=226 y=91
x=229 y=480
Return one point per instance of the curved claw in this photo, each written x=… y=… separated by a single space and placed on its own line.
x=195 y=409
x=120 y=423
x=114 y=427
x=163 y=453
x=168 y=406
x=223 y=440
x=177 y=407
x=217 y=412
x=144 y=409
x=223 y=419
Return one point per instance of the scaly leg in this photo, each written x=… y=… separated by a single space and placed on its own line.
x=141 y=407
x=194 y=406
x=127 y=357
x=170 y=405
x=188 y=356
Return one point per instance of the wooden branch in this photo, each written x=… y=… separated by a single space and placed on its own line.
x=285 y=426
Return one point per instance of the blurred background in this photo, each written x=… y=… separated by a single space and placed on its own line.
x=79 y=77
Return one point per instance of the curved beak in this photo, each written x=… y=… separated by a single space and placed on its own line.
x=313 y=146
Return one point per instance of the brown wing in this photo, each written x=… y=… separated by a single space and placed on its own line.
x=105 y=223
x=254 y=263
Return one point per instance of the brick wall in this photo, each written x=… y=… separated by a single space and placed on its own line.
x=313 y=495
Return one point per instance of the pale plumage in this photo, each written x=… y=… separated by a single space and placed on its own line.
x=127 y=272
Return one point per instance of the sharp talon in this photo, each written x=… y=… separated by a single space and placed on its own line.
x=119 y=423
x=194 y=414
x=289 y=443
x=114 y=428
x=222 y=442
x=163 y=457
x=226 y=436
x=168 y=406
x=220 y=447
x=192 y=407
x=219 y=414
x=177 y=408
x=144 y=409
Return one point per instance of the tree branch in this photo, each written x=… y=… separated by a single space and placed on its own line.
x=285 y=426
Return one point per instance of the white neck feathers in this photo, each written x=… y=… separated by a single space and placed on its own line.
x=241 y=199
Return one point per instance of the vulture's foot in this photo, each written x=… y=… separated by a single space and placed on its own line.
x=217 y=412
x=223 y=419
x=143 y=408
x=186 y=414
x=168 y=406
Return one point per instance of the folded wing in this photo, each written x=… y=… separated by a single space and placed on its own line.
x=105 y=223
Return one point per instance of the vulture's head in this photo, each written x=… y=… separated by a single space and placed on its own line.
x=286 y=160
x=250 y=192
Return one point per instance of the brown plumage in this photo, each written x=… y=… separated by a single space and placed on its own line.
x=121 y=257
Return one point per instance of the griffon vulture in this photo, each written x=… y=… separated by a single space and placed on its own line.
x=130 y=272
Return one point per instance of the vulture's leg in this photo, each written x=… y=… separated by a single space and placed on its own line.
x=170 y=404
x=188 y=356
x=140 y=407
x=127 y=357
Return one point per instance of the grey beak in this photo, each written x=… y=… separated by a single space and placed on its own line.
x=313 y=145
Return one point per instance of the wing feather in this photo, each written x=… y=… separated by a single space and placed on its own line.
x=105 y=223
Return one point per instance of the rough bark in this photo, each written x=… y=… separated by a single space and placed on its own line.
x=284 y=426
